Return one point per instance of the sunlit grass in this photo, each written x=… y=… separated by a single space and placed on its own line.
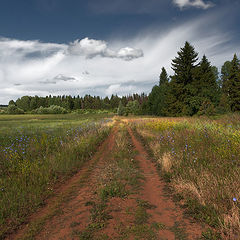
x=200 y=157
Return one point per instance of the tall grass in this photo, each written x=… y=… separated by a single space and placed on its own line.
x=35 y=157
x=200 y=157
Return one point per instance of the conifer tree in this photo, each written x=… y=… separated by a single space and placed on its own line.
x=225 y=72
x=205 y=82
x=152 y=104
x=184 y=64
x=181 y=84
x=120 y=110
x=234 y=85
x=163 y=93
x=163 y=79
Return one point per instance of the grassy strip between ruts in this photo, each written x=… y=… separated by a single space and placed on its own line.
x=32 y=165
x=200 y=162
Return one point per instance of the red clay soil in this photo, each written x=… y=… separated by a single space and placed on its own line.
x=74 y=212
x=121 y=220
x=165 y=211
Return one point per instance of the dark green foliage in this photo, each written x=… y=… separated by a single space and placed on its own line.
x=152 y=103
x=157 y=100
x=184 y=64
x=195 y=88
x=133 y=107
x=225 y=72
x=11 y=102
x=163 y=79
x=182 y=89
x=206 y=108
x=206 y=88
x=53 y=109
x=234 y=85
x=24 y=103
x=29 y=103
x=121 y=109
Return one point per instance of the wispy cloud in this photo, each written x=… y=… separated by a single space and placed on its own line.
x=193 y=3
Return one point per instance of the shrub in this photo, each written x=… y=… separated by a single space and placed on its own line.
x=53 y=109
x=133 y=107
x=88 y=111
x=12 y=109
x=207 y=108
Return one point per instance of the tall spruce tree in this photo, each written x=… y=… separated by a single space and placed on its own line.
x=207 y=82
x=152 y=103
x=225 y=72
x=205 y=87
x=163 y=78
x=234 y=85
x=156 y=103
x=184 y=64
x=181 y=87
x=163 y=93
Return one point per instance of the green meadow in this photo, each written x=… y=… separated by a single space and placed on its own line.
x=36 y=152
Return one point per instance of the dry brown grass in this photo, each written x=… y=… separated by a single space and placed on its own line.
x=230 y=227
x=187 y=188
x=166 y=162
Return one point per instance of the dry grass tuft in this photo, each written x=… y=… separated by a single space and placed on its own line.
x=188 y=189
x=231 y=224
x=166 y=162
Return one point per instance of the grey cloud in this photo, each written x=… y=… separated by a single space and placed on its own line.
x=48 y=81
x=91 y=48
x=59 y=77
x=25 y=52
x=127 y=87
x=41 y=54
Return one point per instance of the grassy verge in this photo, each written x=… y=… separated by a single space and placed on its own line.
x=31 y=162
x=200 y=159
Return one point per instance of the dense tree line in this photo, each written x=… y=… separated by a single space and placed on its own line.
x=195 y=87
x=30 y=103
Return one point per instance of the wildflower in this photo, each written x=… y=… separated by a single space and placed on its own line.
x=234 y=199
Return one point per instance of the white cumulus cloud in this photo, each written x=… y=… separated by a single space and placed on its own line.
x=91 y=48
x=193 y=3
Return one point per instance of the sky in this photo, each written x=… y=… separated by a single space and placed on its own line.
x=105 y=47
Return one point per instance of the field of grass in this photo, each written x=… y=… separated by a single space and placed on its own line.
x=36 y=151
x=200 y=158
